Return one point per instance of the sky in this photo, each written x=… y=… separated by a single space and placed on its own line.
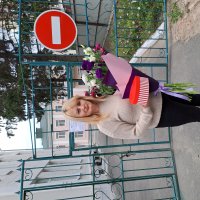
x=21 y=140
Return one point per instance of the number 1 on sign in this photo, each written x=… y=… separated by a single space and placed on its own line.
x=56 y=33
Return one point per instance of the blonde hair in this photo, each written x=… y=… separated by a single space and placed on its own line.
x=93 y=119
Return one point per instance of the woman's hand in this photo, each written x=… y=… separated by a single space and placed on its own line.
x=145 y=106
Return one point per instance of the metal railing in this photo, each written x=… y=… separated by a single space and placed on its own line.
x=105 y=168
x=138 y=174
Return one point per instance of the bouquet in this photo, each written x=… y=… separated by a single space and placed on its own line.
x=95 y=73
x=103 y=73
x=180 y=90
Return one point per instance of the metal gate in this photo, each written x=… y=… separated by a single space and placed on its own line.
x=104 y=168
x=134 y=174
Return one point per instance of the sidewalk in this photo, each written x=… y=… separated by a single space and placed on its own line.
x=184 y=65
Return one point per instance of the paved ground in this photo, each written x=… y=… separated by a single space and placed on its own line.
x=185 y=66
x=188 y=26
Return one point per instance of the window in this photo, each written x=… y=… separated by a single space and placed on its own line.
x=78 y=134
x=60 y=84
x=60 y=135
x=60 y=122
x=58 y=108
x=61 y=97
x=60 y=71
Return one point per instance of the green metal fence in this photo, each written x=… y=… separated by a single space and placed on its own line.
x=142 y=174
x=91 y=18
x=135 y=30
x=41 y=86
x=104 y=168
x=52 y=89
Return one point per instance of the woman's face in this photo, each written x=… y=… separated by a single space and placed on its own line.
x=84 y=108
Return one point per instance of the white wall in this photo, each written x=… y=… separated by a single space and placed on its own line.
x=9 y=175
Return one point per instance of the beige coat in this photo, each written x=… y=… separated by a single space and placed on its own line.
x=128 y=121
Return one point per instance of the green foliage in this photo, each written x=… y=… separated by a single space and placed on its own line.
x=30 y=12
x=175 y=14
x=12 y=94
x=136 y=22
x=185 y=88
x=94 y=77
x=13 y=105
x=12 y=101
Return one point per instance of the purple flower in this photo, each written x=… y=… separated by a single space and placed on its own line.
x=109 y=80
x=99 y=73
x=86 y=65
x=101 y=64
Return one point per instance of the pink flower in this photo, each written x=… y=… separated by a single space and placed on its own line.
x=97 y=47
x=93 y=93
x=102 y=50
x=87 y=93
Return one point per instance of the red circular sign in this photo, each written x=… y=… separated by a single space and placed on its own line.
x=55 y=29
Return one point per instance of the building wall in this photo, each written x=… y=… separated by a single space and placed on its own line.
x=43 y=173
x=60 y=128
x=54 y=125
x=61 y=132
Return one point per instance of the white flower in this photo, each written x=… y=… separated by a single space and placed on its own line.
x=84 y=51
x=98 y=86
x=92 y=72
x=88 y=51
x=84 y=77
x=92 y=59
x=86 y=58
x=93 y=82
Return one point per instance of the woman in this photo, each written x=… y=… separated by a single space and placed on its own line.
x=117 y=118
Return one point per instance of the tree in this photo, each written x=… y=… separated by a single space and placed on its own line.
x=10 y=133
x=17 y=85
x=2 y=124
x=9 y=126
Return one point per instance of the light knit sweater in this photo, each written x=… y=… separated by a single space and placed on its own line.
x=128 y=121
